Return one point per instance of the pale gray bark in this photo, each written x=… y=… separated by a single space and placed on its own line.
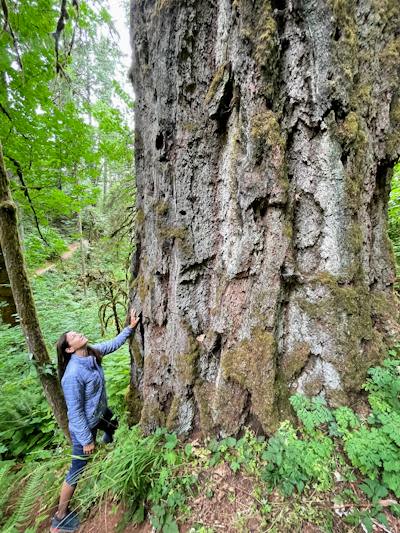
x=265 y=137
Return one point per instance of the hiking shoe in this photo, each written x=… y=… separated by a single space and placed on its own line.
x=69 y=523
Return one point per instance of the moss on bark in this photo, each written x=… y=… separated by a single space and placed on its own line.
x=251 y=363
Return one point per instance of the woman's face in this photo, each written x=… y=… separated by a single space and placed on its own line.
x=75 y=341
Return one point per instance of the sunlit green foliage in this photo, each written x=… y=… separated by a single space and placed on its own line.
x=63 y=116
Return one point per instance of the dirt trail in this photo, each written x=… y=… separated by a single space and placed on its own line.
x=66 y=255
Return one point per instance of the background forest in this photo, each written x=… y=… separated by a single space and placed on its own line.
x=67 y=136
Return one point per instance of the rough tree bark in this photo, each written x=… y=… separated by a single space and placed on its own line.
x=266 y=132
x=14 y=261
x=7 y=308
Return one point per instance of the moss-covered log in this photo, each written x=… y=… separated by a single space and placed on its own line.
x=266 y=133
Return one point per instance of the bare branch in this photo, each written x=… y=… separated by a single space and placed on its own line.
x=7 y=27
x=26 y=194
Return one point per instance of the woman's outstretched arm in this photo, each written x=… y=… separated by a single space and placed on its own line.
x=110 y=346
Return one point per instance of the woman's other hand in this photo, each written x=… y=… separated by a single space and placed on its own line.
x=134 y=318
x=88 y=449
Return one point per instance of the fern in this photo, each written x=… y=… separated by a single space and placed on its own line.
x=28 y=499
x=6 y=480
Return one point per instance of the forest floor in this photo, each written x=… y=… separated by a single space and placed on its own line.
x=225 y=501
x=231 y=510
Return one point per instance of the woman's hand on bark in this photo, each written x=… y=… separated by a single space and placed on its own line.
x=134 y=318
x=88 y=449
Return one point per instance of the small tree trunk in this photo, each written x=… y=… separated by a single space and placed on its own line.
x=21 y=289
x=9 y=310
x=105 y=183
x=83 y=253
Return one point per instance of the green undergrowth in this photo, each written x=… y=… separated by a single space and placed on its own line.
x=36 y=252
x=27 y=426
x=335 y=467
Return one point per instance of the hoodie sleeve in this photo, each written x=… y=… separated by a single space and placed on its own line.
x=107 y=347
x=74 y=393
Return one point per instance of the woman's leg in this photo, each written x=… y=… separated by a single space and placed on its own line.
x=67 y=491
x=62 y=515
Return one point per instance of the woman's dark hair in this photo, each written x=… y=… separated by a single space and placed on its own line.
x=63 y=356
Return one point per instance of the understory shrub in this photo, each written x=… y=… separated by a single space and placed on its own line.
x=294 y=462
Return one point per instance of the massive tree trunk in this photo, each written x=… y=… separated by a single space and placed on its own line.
x=266 y=132
x=14 y=261
x=7 y=304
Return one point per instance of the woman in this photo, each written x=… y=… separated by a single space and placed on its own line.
x=82 y=380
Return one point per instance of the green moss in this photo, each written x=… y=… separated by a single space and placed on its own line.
x=180 y=234
x=295 y=360
x=173 y=414
x=152 y=416
x=135 y=351
x=189 y=126
x=346 y=47
x=288 y=229
x=204 y=393
x=390 y=55
x=259 y=27
x=139 y=217
x=185 y=363
x=361 y=97
x=252 y=364
x=161 y=208
x=351 y=131
x=265 y=130
x=384 y=307
x=266 y=34
x=395 y=112
x=346 y=314
x=355 y=237
x=228 y=407
x=143 y=286
x=216 y=82
x=170 y=232
x=134 y=406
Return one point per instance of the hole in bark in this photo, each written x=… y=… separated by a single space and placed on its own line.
x=284 y=44
x=216 y=351
x=190 y=88
x=340 y=111
x=278 y=10
x=159 y=141
x=338 y=34
x=381 y=175
x=224 y=109
x=259 y=206
x=167 y=402
x=278 y=4
x=182 y=212
x=343 y=158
